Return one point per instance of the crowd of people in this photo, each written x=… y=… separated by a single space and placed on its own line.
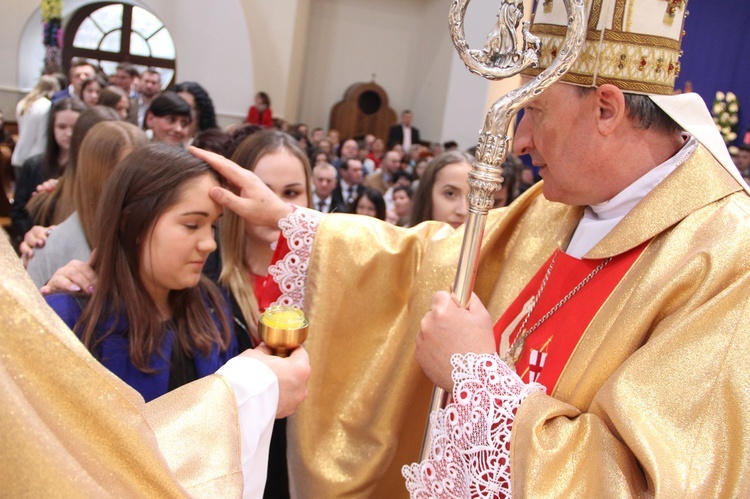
x=601 y=354
x=112 y=142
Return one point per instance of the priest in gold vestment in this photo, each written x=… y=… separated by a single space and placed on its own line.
x=638 y=389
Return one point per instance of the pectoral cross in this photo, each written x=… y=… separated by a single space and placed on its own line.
x=672 y=6
x=547 y=6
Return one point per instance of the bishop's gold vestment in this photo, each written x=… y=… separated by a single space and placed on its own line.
x=70 y=428
x=654 y=400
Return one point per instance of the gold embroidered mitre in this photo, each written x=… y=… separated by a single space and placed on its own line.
x=632 y=44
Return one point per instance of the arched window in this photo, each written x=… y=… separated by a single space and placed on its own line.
x=111 y=33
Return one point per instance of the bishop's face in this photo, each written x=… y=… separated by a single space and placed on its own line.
x=558 y=130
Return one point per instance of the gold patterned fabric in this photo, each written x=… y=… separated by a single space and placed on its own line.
x=70 y=428
x=654 y=400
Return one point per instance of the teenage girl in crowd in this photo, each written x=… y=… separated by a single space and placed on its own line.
x=52 y=207
x=105 y=145
x=48 y=165
x=246 y=252
x=91 y=90
x=153 y=319
x=443 y=193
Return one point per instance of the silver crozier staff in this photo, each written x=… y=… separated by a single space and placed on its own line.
x=500 y=58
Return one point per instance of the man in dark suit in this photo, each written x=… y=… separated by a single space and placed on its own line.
x=350 y=186
x=324 y=183
x=80 y=70
x=403 y=133
x=126 y=77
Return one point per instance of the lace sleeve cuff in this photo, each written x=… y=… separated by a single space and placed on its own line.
x=290 y=273
x=470 y=439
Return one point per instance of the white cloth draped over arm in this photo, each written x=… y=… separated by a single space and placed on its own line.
x=256 y=390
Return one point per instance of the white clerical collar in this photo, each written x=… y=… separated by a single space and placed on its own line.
x=599 y=219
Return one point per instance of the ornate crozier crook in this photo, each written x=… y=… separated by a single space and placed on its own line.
x=500 y=58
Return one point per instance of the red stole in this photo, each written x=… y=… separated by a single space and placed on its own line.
x=547 y=349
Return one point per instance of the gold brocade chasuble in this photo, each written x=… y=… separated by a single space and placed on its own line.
x=70 y=428
x=648 y=402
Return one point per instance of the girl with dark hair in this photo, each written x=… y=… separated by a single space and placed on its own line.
x=105 y=146
x=371 y=203
x=116 y=98
x=169 y=118
x=153 y=319
x=51 y=208
x=443 y=193
x=260 y=113
x=91 y=90
x=49 y=165
x=204 y=116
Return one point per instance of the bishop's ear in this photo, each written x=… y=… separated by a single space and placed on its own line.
x=611 y=105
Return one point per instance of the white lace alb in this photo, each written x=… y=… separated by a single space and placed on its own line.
x=470 y=441
x=290 y=273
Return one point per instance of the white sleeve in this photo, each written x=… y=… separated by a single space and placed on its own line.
x=469 y=441
x=290 y=273
x=256 y=389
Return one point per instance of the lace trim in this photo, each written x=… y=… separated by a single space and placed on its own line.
x=290 y=273
x=470 y=438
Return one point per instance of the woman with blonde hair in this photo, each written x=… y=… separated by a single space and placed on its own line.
x=31 y=115
x=106 y=144
x=246 y=251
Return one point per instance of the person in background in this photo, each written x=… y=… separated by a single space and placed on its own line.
x=245 y=251
x=403 y=134
x=324 y=183
x=91 y=90
x=48 y=165
x=260 y=112
x=402 y=200
x=370 y=203
x=443 y=192
x=32 y=113
x=52 y=206
x=169 y=118
x=149 y=88
x=127 y=77
x=116 y=98
x=105 y=145
x=201 y=105
x=80 y=71
x=215 y=140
